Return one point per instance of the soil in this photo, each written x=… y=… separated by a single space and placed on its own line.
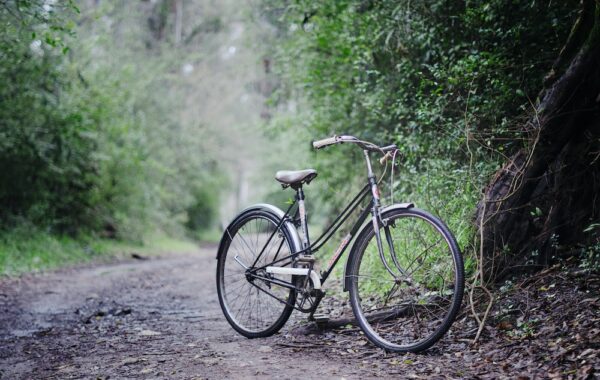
x=160 y=318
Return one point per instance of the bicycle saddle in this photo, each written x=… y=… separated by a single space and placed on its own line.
x=295 y=178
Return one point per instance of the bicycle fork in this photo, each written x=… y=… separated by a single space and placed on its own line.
x=376 y=220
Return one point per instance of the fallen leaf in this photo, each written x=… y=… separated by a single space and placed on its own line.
x=505 y=325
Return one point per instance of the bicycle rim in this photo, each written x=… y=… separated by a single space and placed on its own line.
x=408 y=304
x=254 y=307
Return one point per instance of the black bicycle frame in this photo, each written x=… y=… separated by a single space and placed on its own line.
x=323 y=238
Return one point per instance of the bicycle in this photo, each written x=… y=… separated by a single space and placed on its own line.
x=405 y=293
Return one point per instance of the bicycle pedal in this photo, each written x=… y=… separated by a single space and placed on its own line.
x=320 y=318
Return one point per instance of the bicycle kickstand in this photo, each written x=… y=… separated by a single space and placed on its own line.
x=318 y=318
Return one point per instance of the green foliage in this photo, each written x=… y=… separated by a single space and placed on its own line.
x=202 y=213
x=448 y=81
x=26 y=249
x=590 y=256
x=43 y=148
x=29 y=249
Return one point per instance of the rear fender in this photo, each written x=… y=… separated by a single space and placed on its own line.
x=273 y=210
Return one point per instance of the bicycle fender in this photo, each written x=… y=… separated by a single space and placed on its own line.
x=363 y=230
x=275 y=211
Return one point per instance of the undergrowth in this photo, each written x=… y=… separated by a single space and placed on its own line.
x=30 y=250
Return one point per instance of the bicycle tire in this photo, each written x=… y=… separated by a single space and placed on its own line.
x=408 y=312
x=248 y=309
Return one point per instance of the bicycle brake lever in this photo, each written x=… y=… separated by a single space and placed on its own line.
x=385 y=157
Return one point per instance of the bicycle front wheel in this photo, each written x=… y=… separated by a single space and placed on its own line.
x=253 y=303
x=408 y=300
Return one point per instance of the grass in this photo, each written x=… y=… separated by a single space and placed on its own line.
x=24 y=251
x=212 y=235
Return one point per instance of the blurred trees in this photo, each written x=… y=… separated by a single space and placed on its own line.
x=95 y=131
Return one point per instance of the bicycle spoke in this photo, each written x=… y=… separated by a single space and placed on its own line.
x=407 y=313
x=253 y=303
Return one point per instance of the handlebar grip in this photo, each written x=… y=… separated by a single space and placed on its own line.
x=325 y=142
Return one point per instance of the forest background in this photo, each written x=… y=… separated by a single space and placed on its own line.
x=141 y=123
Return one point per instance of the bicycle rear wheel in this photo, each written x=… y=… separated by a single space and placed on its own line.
x=255 y=307
x=409 y=301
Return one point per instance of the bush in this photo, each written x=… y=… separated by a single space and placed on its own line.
x=89 y=138
x=447 y=81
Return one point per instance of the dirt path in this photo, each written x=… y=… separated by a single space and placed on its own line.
x=160 y=318
x=143 y=318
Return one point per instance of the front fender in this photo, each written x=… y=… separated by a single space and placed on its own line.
x=363 y=230
x=273 y=210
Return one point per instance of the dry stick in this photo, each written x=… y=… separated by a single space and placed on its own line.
x=472 y=303
x=485 y=315
x=475 y=277
x=467 y=139
x=290 y=345
x=517 y=182
x=481 y=279
x=479 y=273
x=518 y=179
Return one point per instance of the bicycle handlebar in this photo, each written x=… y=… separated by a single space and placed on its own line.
x=319 y=144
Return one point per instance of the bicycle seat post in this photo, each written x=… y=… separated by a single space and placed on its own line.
x=303 y=221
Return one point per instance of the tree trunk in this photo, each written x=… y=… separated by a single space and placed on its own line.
x=549 y=192
x=178 y=21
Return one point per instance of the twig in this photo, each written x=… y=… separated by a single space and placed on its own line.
x=479 y=274
x=298 y=345
x=485 y=315
x=160 y=353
